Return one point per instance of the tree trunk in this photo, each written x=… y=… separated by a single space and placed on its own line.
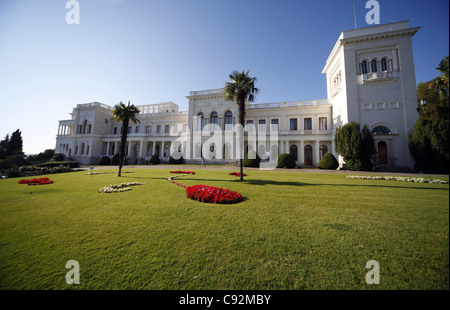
x=241 y=104
x=123 y=143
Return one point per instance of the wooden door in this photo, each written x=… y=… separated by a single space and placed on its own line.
x=382 y=153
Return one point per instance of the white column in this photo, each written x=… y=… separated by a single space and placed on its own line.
x=141 y=151
x=301 y=153
x=316 y=153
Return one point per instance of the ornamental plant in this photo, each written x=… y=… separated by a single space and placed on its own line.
x=210 y=194
x=238 y=174
x=182 y=172
x=39 y=181
x=122 y=187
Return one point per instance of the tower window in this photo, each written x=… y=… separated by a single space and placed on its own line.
x=374 y=65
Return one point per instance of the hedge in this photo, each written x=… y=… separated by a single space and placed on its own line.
x=329 y=162
x=104 y=161
x=286 y=161
x=154 y=160
x=71 y=164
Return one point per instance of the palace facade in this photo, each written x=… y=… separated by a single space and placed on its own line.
x=370 y=79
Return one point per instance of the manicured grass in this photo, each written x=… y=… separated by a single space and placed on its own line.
x=293 y=231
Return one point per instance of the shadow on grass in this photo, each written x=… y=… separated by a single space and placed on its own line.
x=263 y=182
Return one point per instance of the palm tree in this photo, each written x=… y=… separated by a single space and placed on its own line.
x=241 y=89
x=124 y=113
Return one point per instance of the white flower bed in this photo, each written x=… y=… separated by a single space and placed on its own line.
x=404 y=179
x=105 y=172
x=122 y=187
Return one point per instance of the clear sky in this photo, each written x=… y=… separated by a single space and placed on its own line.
x=151 y=51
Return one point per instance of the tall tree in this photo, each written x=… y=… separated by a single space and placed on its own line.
x=4 y=146
x=356 y=147
x=15 y=145
x=124 y=113
x=241 y=89
x=429 y=143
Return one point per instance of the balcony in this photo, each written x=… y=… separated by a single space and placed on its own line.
x=377 y=77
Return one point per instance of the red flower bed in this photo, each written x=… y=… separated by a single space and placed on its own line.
x=183 y=172
x=210 y=194
x=238 y=174
x=40 y=181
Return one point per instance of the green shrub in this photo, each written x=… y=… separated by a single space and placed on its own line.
x=173 y=161
x=329 y=162
x=104 y=161
x=115 y=159
x=249 y=162
x=286 y=161
x=154 y=160
x=58 y=157
x=12 y=160
x=358 y=165
x=13 y=172
x=71 y=164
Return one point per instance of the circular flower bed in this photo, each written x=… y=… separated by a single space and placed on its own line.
x=238 y=174
x=182 y=172
x=40 y=181
x=210 y=194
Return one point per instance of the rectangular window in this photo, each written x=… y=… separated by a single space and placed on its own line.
x=262 y=124
x=394 y=105
x=322 y=123
x=89 y=128
x=147 y=129
x=367 y=106
x=129 y=129
x=80 y=129
x=115 y=130
x=307 y=124
x=293 y=123
x=136 y=130
x=158 y=129
x=274 y=125
x=250 y=126
x=175 y=128
x=166 y=129
x=380 y=106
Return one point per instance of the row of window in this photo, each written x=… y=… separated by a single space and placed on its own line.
x=375 y=65
x=147 y=129
x=293 y=124
x=307 y=123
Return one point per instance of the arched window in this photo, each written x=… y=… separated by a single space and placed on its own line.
x=381 y=130
x=364 y=69
x=384 y=64
x=323 y=150
x=214 y=121
x=228 y=120
x=374 y=65
x=201 y=121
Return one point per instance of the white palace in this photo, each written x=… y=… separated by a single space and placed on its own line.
x=370 y=79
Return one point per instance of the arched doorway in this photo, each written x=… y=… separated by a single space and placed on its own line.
x=382 y=153
x=308 y=155
x=294 y=152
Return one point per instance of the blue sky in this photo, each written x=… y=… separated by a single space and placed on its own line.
x=147 y=51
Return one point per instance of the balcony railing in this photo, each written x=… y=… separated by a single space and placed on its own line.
x=378 y=76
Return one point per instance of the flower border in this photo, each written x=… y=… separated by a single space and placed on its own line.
x=404 y=179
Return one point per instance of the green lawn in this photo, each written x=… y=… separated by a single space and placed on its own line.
x=293 y=231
